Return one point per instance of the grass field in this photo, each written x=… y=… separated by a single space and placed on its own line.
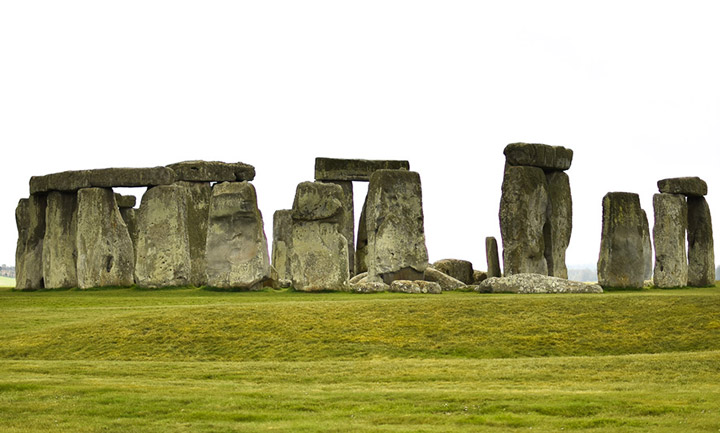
x=194 y=360
x=7 y=282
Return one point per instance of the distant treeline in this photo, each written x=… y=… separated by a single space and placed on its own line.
x=586 y=275
x=7 y=271
x=717 y=273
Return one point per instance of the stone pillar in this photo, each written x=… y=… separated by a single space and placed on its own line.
x=236 y=251
x=395 y=227
x=319 y=258
x=30 y=220
x=701 y=249
x=558 y=226
x=621 y=262
x=104 y=248
x=59 y=249
x=671 y=216
x=647 y=248
x=282 y=245
x=493 y=259
x=523 y=213
x=347 y=227
x=197 y=205
x=362 y=242
x=163 y=249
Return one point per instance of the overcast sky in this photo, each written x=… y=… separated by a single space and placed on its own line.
x=633 y=87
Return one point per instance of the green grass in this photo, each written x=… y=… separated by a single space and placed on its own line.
x=195 y=360
x=7 y=282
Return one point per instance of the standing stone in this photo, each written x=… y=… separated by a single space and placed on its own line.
x=59 y=250
x=30 y=220
x=647 y=248
x=362 y=242
x=104 y=248
x=493 y=258
x=197 y=196
x=282 y=238
x=671 y=221
x=395 y=227
x=701 y=249
x=347 y=227
x=523 y=213
x=129 y=216
x=319 y=255
x=163 y=249
x=237 y=251
x=621 y=261
x=558 y=227
x=461 y=270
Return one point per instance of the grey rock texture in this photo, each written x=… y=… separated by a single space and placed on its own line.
x=125 y=201
x=162 y=251
x=197 y=205
x=353 y=169
x=493 y=259
x=316 y=201
x=647 y=247
x=237 y=251
x=365 y=286
x=523 y=213
x=671 y=221
x=417 y=287
x=621 y=263
x=538 y=155
x=212 y=171
x=691 y=186
x=102 y=178
x=461 y=270
x=701 y=247
x=479 y=277
x=347 y=224
x=395 y=227
x=446 y=282
x=129 y=216
x=558 y=228
x=104 y=247
x=282 y=244
x=534 y=283
x=30 y=220
x=59 y=250
x=361 y=249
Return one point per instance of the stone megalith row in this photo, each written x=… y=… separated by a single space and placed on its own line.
x=536 y=209
x=681 y=209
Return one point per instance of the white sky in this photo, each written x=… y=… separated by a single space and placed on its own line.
x=633 y=87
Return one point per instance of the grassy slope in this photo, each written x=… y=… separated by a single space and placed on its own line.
x=108 y=360
x=7 y=282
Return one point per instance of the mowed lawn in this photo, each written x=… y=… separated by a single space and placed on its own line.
x=186 y=360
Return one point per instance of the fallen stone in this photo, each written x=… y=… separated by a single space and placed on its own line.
x=459 y=269
x=671 y=221
x=534 y=283
x=621 y=262
x=690 y=186
x=701 y=249
x=282 y=238
x=237 y=251
x=212 y=171
x=417 y=287
x=125 y=201
x=493 y=258
x=365 y=286
x=102 y=178
x=30 y=220
x=395 y=227
x=479 y=277
x=446 y=282
x=356 y=279
x=104 y=247
x=558 y=227
x=353 y=169
x=59 y=250
x=538 y=155
x=523 y=213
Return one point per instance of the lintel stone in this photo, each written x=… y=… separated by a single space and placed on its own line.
x=102 y=178
x=212 y=171
x=539 y=155
x=354 y=169
x=691 y=186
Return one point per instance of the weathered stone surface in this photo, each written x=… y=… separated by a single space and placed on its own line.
x=356 y=279
x=534 y=283
x=197 y=196
x=162 y=250
x=395 y=227
x=212 y=171
x=621 y=262
x=459 y=269
x=104 y=248
x=647 y=248
x=479 y=277
x=446 y=282
x=315 y=201
x=558 y=226
x=102 y=178
x=493 y=258
x=353 y=169
x=129 y=216
x=671 y=221
x=701 y=247
x=365 y=286
x=347 y=225
x=538 y=155
x=523 y=213
x=59 y=249
x=690 y=186
x=125 y=201
x=282 y=238
x=30 y=220
x=237 y=251
x=416 y=286
x=362 y=242
x=319 y=258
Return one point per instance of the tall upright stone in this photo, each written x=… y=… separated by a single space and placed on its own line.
x=236 y=250
x=558 y=226
x=493 y=258
x=701 y=249
x=197 y=195
x=319 y=258
x=671 y=221
x=647 y=247
x=621 y=262
x=30 y=220
x=59 y=249
x=162 y=251
x=523 y=213
x=282 y=245
x=361 y=250
x=104 y=248
x=347 y=225
x=129 y=216
x=395 y=227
